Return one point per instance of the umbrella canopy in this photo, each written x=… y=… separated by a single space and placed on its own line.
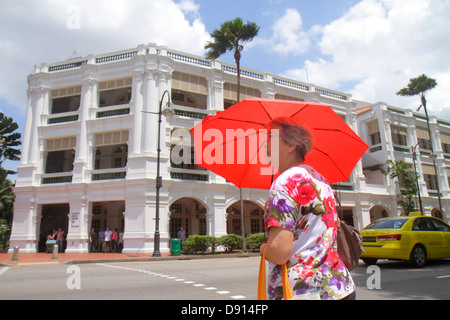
x=232 y=143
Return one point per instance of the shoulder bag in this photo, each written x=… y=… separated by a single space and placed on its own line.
x=349 y=242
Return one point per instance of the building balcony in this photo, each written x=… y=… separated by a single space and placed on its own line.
x=56 y=178
x=109 y=174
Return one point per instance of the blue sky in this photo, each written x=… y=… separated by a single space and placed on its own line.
x=370 y=48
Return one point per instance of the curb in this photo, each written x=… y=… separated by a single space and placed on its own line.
x=167 y=258
x=143 y=259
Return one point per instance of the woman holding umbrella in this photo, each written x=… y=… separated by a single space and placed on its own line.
x=301 y=221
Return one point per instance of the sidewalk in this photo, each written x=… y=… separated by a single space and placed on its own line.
x=78 y=258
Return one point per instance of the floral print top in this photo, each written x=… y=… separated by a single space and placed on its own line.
x=302 y=201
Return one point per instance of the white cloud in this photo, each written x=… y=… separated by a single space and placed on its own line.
x=49 y=31
x=288 y=36
x=378 y=45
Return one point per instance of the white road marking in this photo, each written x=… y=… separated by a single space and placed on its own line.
x=2 y=271
x=165 y=276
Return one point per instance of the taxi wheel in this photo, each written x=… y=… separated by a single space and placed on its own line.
x=369 y=261
x=418 y=256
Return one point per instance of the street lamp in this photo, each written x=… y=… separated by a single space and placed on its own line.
x=168 y=113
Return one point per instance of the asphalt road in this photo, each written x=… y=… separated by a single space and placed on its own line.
x=233 y=279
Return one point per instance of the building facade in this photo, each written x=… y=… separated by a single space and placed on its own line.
x=89 y=157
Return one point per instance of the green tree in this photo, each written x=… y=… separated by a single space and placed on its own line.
x=9 y=140
x=231 y=36
x=407 y=178
x=9 y=143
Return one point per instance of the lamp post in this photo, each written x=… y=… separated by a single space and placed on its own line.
x=168 y=112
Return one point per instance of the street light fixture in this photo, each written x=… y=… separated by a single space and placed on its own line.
x=168 y=112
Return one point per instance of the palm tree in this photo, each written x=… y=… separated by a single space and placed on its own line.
x=6 y=206
x=9 y=139
x=231 y=36
x=418 y=86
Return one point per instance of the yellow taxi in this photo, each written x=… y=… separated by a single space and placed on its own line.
x=414 y=239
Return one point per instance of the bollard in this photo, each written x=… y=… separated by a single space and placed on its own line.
x=15 y=256
x=55 y=252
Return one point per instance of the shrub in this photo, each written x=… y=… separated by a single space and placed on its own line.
x=199 y=243
x=254 y=241
x=230 y=241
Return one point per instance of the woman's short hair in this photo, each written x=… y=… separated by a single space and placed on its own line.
x=294 y=132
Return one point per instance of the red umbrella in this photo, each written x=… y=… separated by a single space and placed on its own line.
x=232 y=143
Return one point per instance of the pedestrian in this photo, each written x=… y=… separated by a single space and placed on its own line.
x=93 y=241
x=301 y=221
x=182 y=236
x=107 y=244
x=60 y=240
x=114 y=240
x=101 y=240
x=121 y=240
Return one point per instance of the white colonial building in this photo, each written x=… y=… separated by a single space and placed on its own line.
x=89 y=157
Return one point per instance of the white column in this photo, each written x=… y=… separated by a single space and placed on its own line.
x=77 y=234
x=218 y=215
x=138 y=93
x=151 y=104
x=41 y=96
x=82 y=156
x=28 y=127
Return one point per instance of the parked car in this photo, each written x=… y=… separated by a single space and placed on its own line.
x=414 y=239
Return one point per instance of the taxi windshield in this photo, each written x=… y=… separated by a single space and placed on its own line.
x=387 y=224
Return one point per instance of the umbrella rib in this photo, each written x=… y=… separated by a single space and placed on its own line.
x=354 y=137
x=331 y=159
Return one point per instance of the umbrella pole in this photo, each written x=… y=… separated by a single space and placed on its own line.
x=244 y=248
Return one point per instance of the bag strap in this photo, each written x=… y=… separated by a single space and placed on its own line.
x=287 y=292
x=339 y=211
x=262 y=277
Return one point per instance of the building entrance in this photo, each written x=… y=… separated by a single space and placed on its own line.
x=53 y=217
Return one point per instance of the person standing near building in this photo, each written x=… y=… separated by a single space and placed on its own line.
x=101 y=239
x=114 y=240
x=60 y=239
x=182 y=236
x=120 y=241
x=93 y=241
x=108 y=234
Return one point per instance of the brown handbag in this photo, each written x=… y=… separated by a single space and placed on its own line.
x=349 y=242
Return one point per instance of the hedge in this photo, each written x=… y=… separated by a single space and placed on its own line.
x=199 y=244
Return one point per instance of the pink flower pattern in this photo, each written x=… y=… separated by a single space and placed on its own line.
x=302 y=201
